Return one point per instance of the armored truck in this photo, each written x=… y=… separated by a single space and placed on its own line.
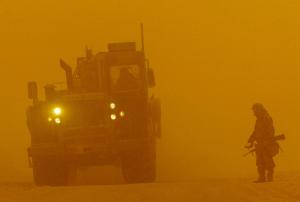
x=108 y=114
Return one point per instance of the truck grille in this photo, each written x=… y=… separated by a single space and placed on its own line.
x=84 y=113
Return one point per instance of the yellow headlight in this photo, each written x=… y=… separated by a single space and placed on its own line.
x=122 y=113
x=57 y=111
x=57 y=120
x=112 y=105
x=113 y=116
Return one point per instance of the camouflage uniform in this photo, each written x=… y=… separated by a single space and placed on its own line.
x=263 y=135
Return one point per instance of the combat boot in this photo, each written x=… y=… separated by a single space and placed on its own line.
x=270 y=175
x=261 y=176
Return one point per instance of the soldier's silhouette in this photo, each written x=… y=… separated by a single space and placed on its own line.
x=263 y=139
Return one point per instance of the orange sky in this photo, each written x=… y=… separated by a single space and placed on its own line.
x=213 y=59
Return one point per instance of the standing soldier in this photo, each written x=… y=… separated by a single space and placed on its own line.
x=263 y=139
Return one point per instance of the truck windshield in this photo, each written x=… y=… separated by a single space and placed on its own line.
x=125 y=77
x=87 y=76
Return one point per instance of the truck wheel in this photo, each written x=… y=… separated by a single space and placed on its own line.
x=139 y=166
x=52 y=172
x=39 y=170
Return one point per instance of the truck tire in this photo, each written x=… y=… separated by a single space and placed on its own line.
x=139 y=166
x=39 y=171
x=49 y=171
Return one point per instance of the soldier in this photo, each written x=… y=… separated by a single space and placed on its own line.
x=263 y=138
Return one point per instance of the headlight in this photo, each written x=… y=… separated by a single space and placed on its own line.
x=57 y=111
x=122 y=113
x=113 y=117
x=57 y=120
x=112 y=105
x=55 y=115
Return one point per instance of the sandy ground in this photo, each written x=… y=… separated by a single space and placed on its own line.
x=286 y=188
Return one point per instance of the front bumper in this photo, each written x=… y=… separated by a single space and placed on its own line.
x=93 y=145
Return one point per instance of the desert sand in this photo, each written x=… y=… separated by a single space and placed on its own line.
x=286 y=188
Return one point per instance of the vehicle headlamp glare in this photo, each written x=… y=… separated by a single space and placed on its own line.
x=122 y=113
x=57 y=111
x=112 y=105
x=113 y=117
x=57 y=120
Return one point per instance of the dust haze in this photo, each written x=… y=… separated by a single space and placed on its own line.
x=213 y=60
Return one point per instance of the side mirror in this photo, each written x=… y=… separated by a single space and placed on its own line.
x=151 y=78
x=32 y=90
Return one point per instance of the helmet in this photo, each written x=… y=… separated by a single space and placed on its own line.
x=259 y=109
x=258 y=106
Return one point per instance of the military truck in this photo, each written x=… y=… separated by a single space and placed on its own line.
x=106 y=115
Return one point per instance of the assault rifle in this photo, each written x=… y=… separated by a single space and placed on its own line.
x=276 y=138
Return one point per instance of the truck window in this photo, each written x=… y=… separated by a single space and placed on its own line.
x=125 y=77
x=89 y=76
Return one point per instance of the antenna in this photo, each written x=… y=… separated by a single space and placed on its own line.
x=142 y=38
